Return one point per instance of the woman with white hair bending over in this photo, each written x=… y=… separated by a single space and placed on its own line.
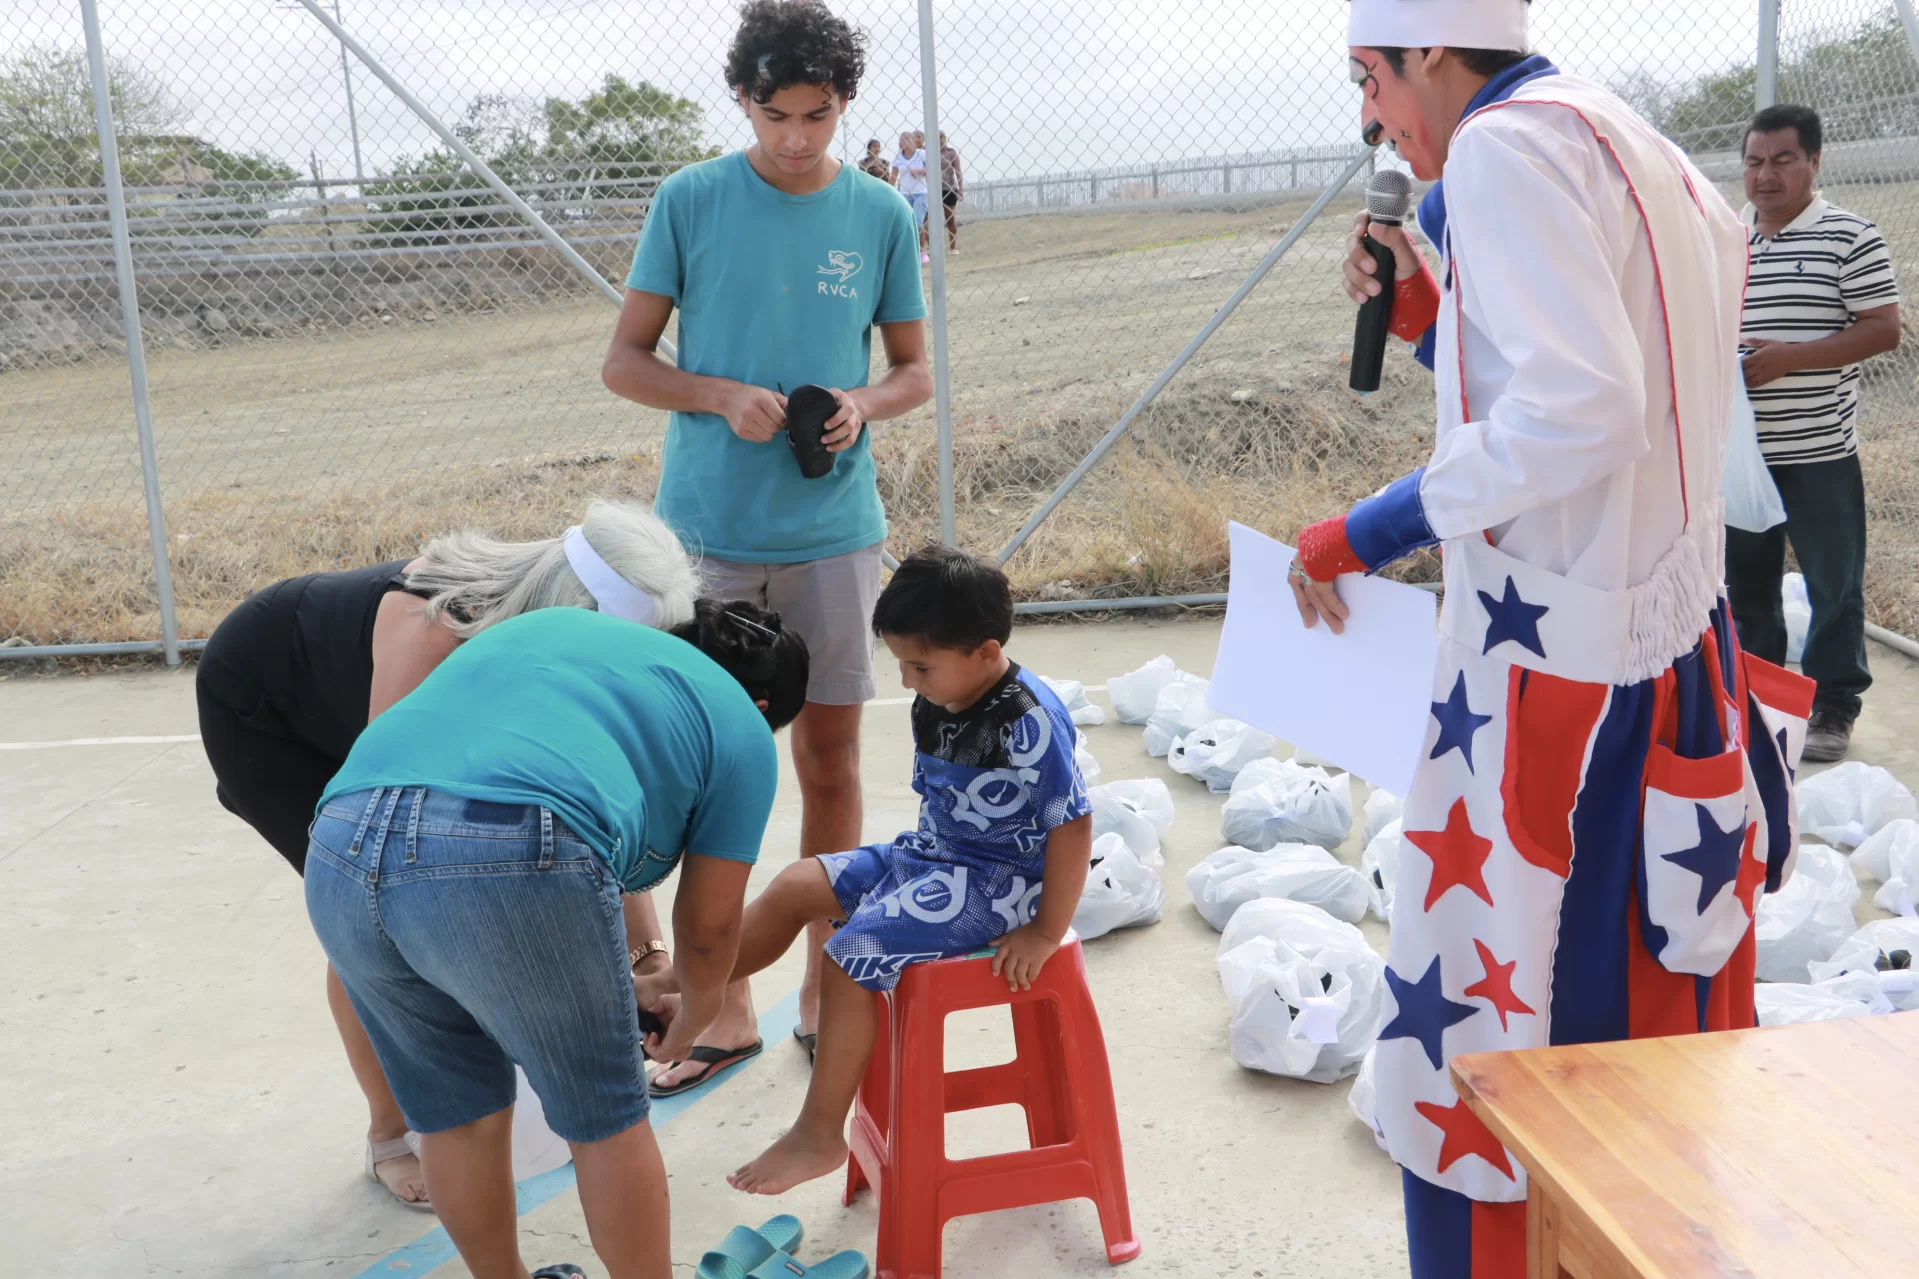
x=293 y=675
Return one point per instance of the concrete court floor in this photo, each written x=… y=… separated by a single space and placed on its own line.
x=174 y=1100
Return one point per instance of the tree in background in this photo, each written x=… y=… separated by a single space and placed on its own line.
x=50 y=152
x=1860 y=79
x=567 y=157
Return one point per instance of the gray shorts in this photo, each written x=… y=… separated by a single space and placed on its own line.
x=829 y=602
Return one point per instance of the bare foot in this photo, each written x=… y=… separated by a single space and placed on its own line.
x=404 y=1177
x=799 y=1156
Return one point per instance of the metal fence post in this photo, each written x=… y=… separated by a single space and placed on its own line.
x=1908 y=19
x=1767 y=88
x=130 y=322
x=1167 y=374
x=936 y=243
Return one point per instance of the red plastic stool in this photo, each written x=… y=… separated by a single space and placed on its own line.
x=1059 y=1076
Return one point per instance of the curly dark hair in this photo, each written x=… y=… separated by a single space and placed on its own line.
x=782 y=43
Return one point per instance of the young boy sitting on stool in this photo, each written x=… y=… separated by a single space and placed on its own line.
x=1000 y=856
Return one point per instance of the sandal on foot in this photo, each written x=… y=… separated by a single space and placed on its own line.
x=714 y=1060
x=809 y=1042
x=564 y=1270
x=378 y=1152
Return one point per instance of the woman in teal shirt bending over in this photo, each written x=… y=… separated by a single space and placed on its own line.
x=465 y=875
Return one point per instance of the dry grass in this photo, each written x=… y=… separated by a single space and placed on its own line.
x=1151 y=519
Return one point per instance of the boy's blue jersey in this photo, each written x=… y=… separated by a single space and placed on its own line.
x=994 y=781
x=996 y=778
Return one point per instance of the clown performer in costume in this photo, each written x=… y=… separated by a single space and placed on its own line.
x=1607 y=780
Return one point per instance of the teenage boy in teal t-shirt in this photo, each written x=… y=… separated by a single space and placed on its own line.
x=781 y=261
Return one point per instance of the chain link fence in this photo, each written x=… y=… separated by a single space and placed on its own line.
x=354 y=341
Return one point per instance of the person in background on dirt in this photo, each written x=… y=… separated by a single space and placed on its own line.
x=909 y=167
x=1821 y=297
x=781 y=261
x=464 y=877
x=291 y=678
x=999 y=857
x=874 y=162
x=952 y=191
x=1603 y=795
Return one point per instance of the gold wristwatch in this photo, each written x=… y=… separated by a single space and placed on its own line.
x=638 y=954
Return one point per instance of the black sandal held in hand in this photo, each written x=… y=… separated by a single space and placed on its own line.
x=807 y=412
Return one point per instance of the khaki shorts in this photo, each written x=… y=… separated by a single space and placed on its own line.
x=829 y=602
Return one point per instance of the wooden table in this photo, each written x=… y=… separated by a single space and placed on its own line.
x=1789 y=1152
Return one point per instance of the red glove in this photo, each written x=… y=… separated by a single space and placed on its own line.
x=1324 y=552
x=1415 y=304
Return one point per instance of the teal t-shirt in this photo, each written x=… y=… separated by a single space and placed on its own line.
x=774 y=290
x=641 y=743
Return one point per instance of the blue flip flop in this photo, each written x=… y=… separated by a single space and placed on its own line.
x=767 y=1253
x=743 y=1250
x=780 y=1265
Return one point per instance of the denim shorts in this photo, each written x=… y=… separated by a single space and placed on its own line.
x=471 y=935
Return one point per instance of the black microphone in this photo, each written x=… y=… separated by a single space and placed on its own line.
x=1389 y=196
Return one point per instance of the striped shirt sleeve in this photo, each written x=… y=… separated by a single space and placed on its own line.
x=1866 y=279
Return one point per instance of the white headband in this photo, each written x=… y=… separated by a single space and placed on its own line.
x=1427 y=24
x=612 y=594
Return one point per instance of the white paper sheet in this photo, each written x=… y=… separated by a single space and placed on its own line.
x=1360 y=700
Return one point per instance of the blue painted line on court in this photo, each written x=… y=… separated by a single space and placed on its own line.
x=435 y=1249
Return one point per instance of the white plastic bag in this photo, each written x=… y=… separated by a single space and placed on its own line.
x=1121 y=891
x=1383 y=808
x=1875 y=855
x=1308 y=994
x=1379 y=865
x=1072 y=695
x=1843 y=805
x=1752 y=499
x=1893 y=942
x=1084 y=759
x=1364 y=1098
x=1136 y=693
x=1798 y=615
x=1297 y=806
x=1181 y=709
x=1900 y=893
x=1808 y=917
x=1218 y=751
x=536 y=1148
x=1139 y=811
x=1232 y=877
x=1259 y=772
x=1789 y=1003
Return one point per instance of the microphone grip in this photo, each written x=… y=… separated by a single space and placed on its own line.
x=1375 y=322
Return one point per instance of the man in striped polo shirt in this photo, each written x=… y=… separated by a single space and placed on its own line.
x=1821 y=298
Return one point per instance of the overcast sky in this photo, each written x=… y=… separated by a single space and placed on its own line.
x=1025 y=87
